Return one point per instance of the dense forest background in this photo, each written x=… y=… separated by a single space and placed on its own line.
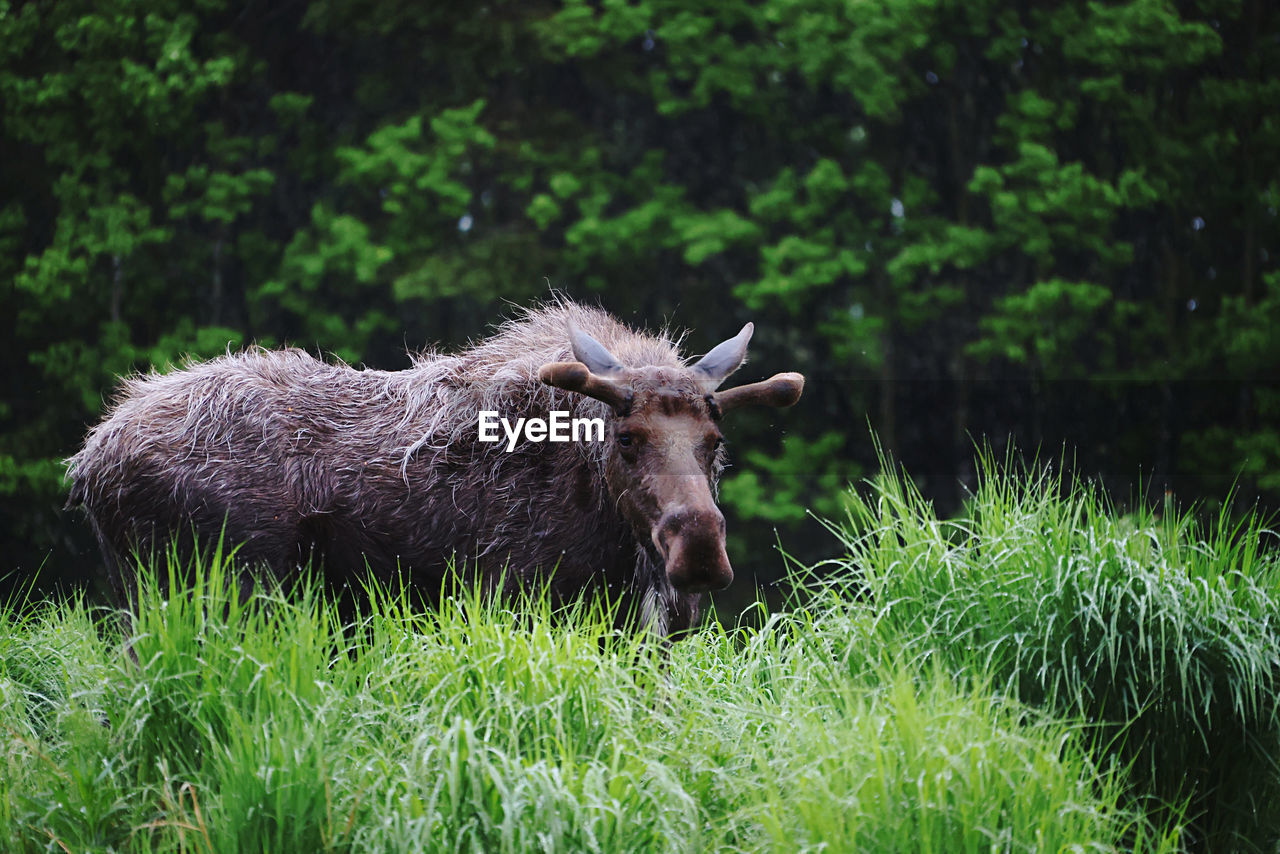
x=1050 y=224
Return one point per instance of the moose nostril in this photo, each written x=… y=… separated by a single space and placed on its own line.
x=661 y=535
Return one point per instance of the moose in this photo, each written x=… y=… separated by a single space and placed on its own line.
x=381 y=473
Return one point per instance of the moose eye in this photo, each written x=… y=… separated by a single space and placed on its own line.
x=624 y=439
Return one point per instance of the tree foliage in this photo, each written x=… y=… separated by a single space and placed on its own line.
x=1053 y=222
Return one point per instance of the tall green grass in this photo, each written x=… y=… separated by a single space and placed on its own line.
x=262 y=724
x=1159 y=632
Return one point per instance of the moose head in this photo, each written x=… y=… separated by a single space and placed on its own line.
x=664 y=446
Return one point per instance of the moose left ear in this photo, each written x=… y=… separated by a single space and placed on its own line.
x=725 y=358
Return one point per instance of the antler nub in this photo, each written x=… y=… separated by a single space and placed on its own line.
x=779 y=390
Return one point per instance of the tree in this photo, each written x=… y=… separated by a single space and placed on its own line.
x=1040 y=224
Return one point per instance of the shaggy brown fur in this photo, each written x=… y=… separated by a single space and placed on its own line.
x=377 y=469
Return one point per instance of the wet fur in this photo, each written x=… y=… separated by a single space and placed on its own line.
x=299 y=457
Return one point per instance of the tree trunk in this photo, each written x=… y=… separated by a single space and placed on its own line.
x=117 y=288
x=215 y=313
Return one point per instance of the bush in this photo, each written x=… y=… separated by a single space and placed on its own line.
x=265 y=725
x=1162 y=634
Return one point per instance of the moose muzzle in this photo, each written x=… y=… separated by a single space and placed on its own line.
x=691 y=542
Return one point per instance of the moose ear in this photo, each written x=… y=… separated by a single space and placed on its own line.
x=577 y=377
x=779 y=390
x=592 y=353
x=724 y=358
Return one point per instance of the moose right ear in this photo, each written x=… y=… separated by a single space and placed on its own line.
x=577 y=377
x=592 y=353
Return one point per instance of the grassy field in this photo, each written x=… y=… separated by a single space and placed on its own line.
x=1041 y=676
